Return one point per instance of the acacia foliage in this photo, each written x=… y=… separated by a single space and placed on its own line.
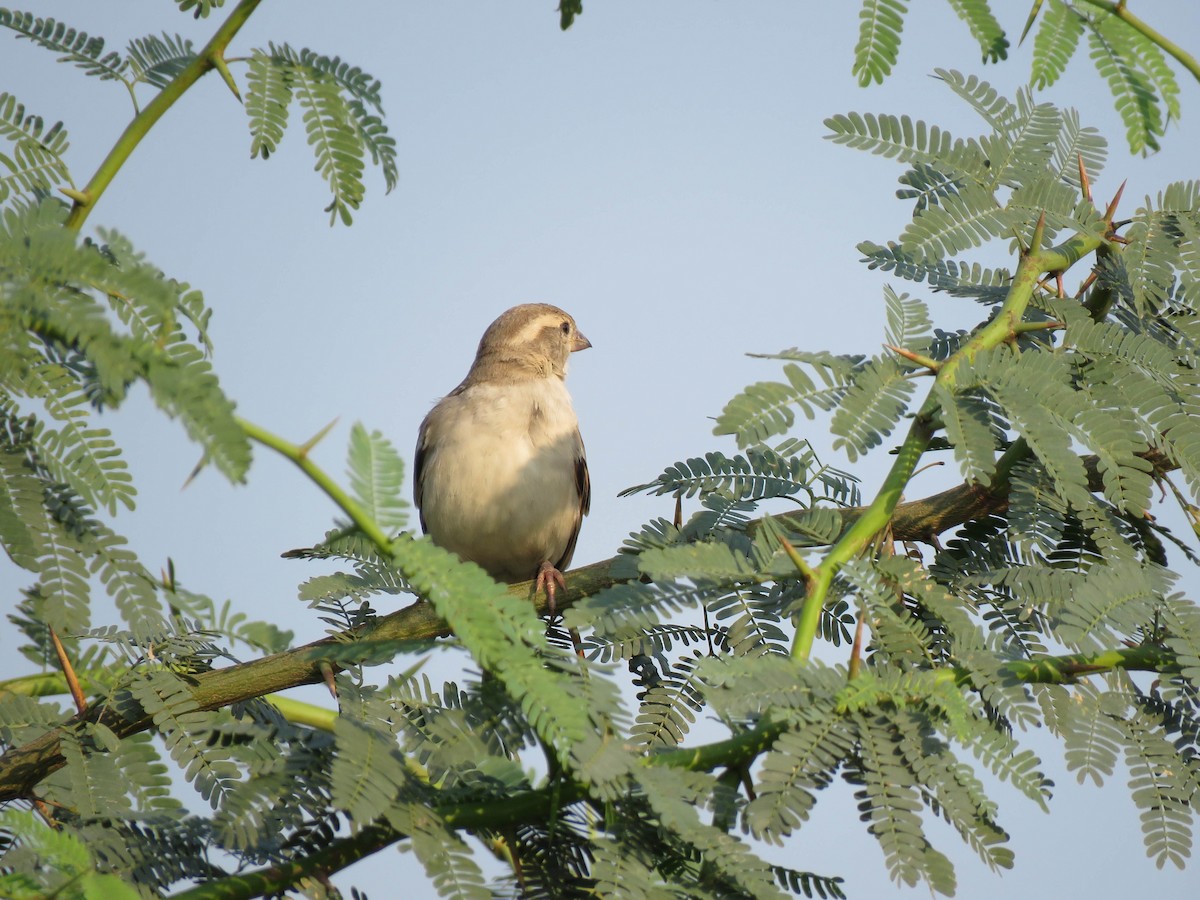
x=1128 y=54
x=1122 y=49
x=1041 y=613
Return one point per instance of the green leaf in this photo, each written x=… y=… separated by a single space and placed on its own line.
x=961 y=221
x=984 y=28
x=446 y=858
x=267 y=102
x=1132 y=90
x=668 y=707
x=802 y=760
x=1164 y=785
x=763 y=410
x=327 y=121
x=876 y=399
x=200 y=8
x=1055 y=43
x=72 y=46
x=376 y=473
x=334 y=97
x=970 y=424
x=889 y=802
x=37 y=165
x=672 y=796
x=156 y=61
x=568 y=709
x=879 y=25
x=567 y=11
x=907 y=319
x=902 y=139
x=186 y=730
x=369 y=776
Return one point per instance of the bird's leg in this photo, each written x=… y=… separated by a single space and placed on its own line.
x=547 y=577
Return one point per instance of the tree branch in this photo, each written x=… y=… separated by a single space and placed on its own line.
x=21 y=768
x=878 y=515
x=536 y=805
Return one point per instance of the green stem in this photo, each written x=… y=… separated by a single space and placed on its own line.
x=299 y=455
x=1121 y=11
x=742 y=749
x=876 y=516
x=43 y=684
x=1073 y=666
x=206 y=61
x=300 y=713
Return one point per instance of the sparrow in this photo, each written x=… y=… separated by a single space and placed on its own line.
x=500 y=476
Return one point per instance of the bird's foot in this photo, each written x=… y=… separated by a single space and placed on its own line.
x=547 y=578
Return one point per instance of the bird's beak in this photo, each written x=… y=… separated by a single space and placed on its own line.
x=580 y=342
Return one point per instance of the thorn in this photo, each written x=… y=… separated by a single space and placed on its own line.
x=1085 y=184
x=1039 y=231
x=797 y=560
x=1022 y=249
x=44 y=810
x=1112 y=207
x=576 y=643
x=327 y=677
x=219 y=64
x=1087 y=283
x=69 y=673
x=931 y=364
x=81 y=198
x=315 y=439
x=856 y=649
x=747 y=782
x=1026 y=327
x=199 y=467
x=1022 y=327
x=1058 y=283
x=932 y=465
x=1037 y=4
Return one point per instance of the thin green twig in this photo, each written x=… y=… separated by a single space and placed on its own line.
x=1121 y=11
x=210 y=58
x=876 y=516
x=298 y=454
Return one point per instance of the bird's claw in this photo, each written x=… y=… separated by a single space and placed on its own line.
x=547 y=578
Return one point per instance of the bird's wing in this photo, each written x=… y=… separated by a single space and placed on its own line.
x=424 y=452
x=583 y=481
x=426 y=448
x=583 y=485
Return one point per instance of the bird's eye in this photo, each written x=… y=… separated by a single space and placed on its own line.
x=566 y=327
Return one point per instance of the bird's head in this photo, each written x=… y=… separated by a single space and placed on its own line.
x=534 y=338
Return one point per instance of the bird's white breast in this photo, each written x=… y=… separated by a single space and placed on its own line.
x=499 y=485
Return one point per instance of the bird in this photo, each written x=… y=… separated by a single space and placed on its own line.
x=500 y=475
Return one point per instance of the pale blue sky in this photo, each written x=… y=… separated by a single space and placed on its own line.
x=660 y=172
